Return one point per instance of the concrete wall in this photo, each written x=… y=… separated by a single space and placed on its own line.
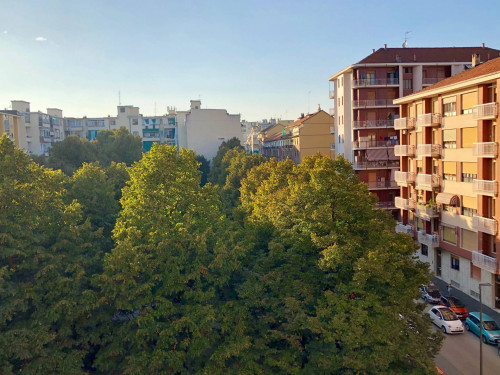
x=315 y=137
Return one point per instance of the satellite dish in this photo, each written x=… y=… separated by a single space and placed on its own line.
x=405 y=44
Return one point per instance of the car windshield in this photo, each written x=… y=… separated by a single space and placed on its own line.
x=455 y=303
x=490 y=325
x=434 y=293
x=448 y=314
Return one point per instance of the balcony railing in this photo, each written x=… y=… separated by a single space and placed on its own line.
x=485 y=262
x=379 y=164
x=332 y=111
x=485 y=187
x=363 y=82
x=332 y=94
x=404 y=123
x=373 y=124
x=485 y=225
x=332 y=129
x=404 y=178
x=408 y=228
x=427 y=181
x=431 y=80
x=429 y=119
x=485 y=149
x=389 y=205
x=404 y=150
x=388 y=184
x=404 y=204
x=485 y=111
x=371 y=144
x=429 y=150
x=431 y=240
x=373 y=103
x=426 y=212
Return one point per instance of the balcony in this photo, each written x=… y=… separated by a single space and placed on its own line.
x=331 y=111
x=431 y=240
x=373 y=124
x=356 y=145
x=485 y=149
x=485 y=187
x=431 y=150
x=385 y=205
x=429 y=119
x=486 y=111
x=332 y=129
x=382 y=185
x=431 y=80
x=404 y=178
x=485 y=262
x=373 y=103
x=404 y=150
x=332 y=94
x=404 y=204
x=367 y=82
x=404 y=123
x=427 y=212
x=378 y=164
x=427 y=181
x=485 y=225
x=408 y=228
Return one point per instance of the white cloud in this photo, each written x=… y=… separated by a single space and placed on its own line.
x=41 y=39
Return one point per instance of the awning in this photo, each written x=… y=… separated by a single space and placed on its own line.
x=447 y=198
x=390 y=152
x=375 y=155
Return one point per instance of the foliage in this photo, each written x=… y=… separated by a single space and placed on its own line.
x=204 y=168
x=119 y=146
x=69 y=154
x=218 y=169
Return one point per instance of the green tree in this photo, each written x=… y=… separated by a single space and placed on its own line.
x=69 y=154
x=160 y=280
x=218 y=171
x=117 y=174
x=119 y=146
x=204 y=168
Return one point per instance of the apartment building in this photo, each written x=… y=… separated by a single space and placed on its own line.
x=363 y=95
x=308 y=135
x=449 y=177
x=12 y=125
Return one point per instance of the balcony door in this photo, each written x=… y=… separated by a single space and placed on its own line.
x=438 y=262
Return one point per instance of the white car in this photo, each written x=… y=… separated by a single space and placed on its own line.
x=446 y=319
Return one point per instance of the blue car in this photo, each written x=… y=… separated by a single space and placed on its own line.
x=491 y=330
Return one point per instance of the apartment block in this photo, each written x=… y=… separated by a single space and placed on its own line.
x=11 y=123
x=308 y=135
x=364 y=110
x=449 y=177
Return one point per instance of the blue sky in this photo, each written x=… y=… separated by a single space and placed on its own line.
x=258 y=58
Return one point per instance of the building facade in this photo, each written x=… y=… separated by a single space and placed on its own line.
x=363 y=95
x=307 y=136
x=449 y=178
x=11 y=124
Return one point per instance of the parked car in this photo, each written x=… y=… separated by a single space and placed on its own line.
x=455 y=305
x=491 y=330
x=446 y=319
x=430 y=293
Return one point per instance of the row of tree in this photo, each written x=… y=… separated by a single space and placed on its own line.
x=269 y=268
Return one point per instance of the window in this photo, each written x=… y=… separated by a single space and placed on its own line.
x=449 y=170
x=475 y=272
x=450 y=235
x=135 y=121
x=469 y=240
x=450 y=109
x=407 y=69
x=424 y=250
x=469 y=172
x=112 y=122
x=469 y=206
x=450 y=138
x=407 y=84
x=122 y=109
x=455 y=262
x=469 y=136
x=469 y=100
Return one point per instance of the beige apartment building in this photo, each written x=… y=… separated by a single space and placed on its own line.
x=11 y=124
x=449 y=177
x=308 y=135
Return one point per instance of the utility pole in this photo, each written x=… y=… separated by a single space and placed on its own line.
x=481 y=328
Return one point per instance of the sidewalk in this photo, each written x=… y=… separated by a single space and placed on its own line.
x=470 y=303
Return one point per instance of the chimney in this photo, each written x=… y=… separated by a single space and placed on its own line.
x=373 y=50
x=385 y=46
x=475 y=59
x=301 y=115
x=319 y=107
x=482 y=45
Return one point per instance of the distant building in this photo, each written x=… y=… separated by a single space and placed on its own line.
x=308 y=135
x=363 y=95
x=449 y=178
x=11 y=123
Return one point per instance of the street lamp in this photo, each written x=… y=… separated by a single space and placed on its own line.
x=481 y=328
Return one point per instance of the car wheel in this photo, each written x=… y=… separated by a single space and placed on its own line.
x=467 y=328
x=443 y=329
x=498 y=349
x=484 y=339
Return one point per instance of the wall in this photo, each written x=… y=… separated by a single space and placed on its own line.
x=315 y=136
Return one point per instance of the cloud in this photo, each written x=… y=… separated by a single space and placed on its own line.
x=41 y=39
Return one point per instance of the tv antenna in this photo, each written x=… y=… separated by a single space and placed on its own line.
x=405 y=44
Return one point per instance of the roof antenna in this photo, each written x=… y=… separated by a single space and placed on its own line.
x=119 y=98
x=405 y=44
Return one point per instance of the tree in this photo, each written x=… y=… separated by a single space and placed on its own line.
x=69 y=154
x=204 y=168
x=119 y=146
x=161 y=277
x=218 y=169
x=48 y=254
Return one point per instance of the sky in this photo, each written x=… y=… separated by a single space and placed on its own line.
x=260 y=58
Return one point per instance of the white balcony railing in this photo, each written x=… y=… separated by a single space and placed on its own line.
x=404 y=150
x=408 y=228
x=388 y=205
x=373 y=103
x=485 y=149
x=332 y=129
x=429 y=119
x=427 y=181
x=363 y=82
x=388 y=184
x=485 y=187
x=431 y=240
x=332 y=111
x=485 y=225
x=404 y=123
x=404 y=178
x=378 y=164
x=426 y=212
x=404 y=203
x=485 y=262
x=431 y=150
x=485 y=111
x=373 y=124
x=332 y=94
